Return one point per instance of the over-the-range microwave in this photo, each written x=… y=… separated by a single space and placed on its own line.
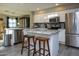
x=54 y=20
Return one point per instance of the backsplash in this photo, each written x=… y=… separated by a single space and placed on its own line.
x=50 y=25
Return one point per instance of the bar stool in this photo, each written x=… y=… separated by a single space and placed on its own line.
x=40 y=40
x=28 y=45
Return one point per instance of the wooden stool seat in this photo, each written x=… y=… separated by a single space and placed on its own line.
x=28 y=36
x=41 y=38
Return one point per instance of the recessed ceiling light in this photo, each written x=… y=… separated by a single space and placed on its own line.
x=38 y=9
x=57 y=4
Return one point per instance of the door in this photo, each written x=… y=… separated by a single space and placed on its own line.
x=70 y=23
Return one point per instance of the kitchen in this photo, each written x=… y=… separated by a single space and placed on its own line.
x=46 y=21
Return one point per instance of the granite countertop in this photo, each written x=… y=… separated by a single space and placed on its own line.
x=40 y=31
x=13 y=28
x=10 y=30
x=35 y=31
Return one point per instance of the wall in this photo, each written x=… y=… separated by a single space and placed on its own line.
x=2 y=25
x=4 y=18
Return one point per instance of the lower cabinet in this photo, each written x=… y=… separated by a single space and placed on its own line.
x=18 y=36
x=7 y=40
x=62 y=36
x=12 y=37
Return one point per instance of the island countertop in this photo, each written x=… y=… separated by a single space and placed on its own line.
x=40 y=31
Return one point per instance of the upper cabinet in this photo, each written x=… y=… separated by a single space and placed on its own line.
x=45 y=18
x=41 y=19
x=62 y=17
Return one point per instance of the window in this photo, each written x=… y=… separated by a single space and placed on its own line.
x=12 y=23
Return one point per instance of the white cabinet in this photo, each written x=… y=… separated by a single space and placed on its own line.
x=36 y=19
x=41 y=19
x=62 y=17
x=62 y=36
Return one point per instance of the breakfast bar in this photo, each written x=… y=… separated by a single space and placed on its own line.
x=51 y=34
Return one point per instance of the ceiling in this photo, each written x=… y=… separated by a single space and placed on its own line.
x=18 y=9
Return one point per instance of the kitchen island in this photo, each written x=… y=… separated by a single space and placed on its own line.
x=51 y=34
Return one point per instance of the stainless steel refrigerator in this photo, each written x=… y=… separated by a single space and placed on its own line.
x=72 y=29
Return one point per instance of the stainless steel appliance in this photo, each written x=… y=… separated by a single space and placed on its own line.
x=72 y=29
x=54 y=19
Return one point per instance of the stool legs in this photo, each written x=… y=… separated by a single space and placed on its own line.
x=43 y=48
x=28 y=46
x=39 y=42
x=34 y=47
x=48 y=47
x=22 y=47
x=39 y=48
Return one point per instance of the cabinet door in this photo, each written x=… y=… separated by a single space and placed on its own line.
x=40 y=19
x=36 y=19
x=62 y=36
x=45 y=17
x=62 y=17
x=18 y=36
